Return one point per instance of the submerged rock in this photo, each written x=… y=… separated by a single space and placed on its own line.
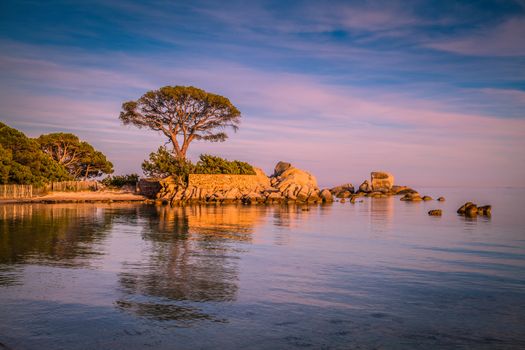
x=426 y=198
x=441 y=199
x=435 y=212
x=411 y=197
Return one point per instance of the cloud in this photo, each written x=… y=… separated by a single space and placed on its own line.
x=339 y=132
x=505 y=39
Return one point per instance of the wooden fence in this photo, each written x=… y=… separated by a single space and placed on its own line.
x=29 y=191
x=16 y=191
x=74 y=186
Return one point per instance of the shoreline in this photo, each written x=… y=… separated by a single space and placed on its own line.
x=79 y=197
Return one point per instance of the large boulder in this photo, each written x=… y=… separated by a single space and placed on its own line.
x=280 y=168
x=294 y=183
x=381 y=181
x=326 y=196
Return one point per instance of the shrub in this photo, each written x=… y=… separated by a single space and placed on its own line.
x=120 y=181
x=209 y=164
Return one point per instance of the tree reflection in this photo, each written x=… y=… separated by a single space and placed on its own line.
x=193 y=257
x=58 y=235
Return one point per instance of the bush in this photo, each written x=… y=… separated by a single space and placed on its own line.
x=209 y=164
x=120 y=181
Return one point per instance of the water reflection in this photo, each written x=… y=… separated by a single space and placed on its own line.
x=193 y=255
x=381 y=213
x=55 y=235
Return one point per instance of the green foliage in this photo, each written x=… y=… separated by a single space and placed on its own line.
x=120 y=181
x=185 y=112
x=22 y=161
x=209 y=164
x=79 y=158
x=162 y=164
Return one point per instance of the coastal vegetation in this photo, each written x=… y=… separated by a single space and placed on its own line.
x=23 y=162
x=162 y=164
x=49 y=158
x=79 y=158
x=120 y=181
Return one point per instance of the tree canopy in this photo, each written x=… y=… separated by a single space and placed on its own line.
x=22 y=161
x=183 y=114
x=79 y=158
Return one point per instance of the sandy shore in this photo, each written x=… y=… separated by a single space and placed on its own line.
x=74 y=197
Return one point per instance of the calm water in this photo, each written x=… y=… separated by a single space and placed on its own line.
x=377 y=274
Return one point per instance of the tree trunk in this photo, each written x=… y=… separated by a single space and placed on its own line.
x=86 y=174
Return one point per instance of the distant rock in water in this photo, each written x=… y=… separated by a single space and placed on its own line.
x=470 y=209
x=412 y=197
x=365 y=187
x=435 y=212
x=398 y=190
x=441 y=199
x=426 y=198
x=381 y=181
x=343 y=191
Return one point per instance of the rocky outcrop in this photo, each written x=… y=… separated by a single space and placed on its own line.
x=295 y=184
x=288 y=184
x=381 y=181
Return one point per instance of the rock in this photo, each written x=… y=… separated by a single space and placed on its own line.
x=296 y=184
x=461 y=209
x=471 y=210
x=485 y=210
x=326 y=196
x=352 y=200
x=343 y=191
x=411 y=197
x=280 y=168
x=381 y=181
x=426 y=198
x=365 y=187
x=435 y=212
x=441 y=199
x=342 y=200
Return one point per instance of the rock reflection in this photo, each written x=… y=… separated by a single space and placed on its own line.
x=381 y=211
x=192 y=257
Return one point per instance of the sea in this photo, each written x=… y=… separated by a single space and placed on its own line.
x=377 y=274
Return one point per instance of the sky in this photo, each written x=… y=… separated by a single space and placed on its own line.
x=431 y=91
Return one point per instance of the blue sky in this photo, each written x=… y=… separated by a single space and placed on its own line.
x=432 y=91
